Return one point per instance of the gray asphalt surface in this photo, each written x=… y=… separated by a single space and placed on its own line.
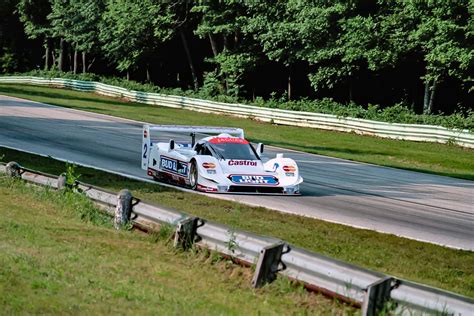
x=418 y=206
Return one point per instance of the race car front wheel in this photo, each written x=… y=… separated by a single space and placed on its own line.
x=193 y=175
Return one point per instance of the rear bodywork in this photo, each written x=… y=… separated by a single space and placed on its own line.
x=225 y=163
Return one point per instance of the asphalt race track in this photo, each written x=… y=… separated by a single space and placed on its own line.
x=415 y=205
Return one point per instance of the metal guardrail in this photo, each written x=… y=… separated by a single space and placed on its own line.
x=415 y=299
x=243 y=246
x=414 y=132
x=368 y=289
x=329 y=275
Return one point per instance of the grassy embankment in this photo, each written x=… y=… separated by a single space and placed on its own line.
x=52 y=262
x=421 y=262
x=425 y=157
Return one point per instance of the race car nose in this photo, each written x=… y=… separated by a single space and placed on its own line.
x=292 y=190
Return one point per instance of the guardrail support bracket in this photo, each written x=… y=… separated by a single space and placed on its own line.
x=185 y=235
x=123 y=209
x=378 y=294
x=13 y=169
x=62 y=181
x=269 y=263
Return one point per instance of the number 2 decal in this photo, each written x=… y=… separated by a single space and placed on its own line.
x=145 y=149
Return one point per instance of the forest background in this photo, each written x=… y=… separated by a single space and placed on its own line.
x=360 y=58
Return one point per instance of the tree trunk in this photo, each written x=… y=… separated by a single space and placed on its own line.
x=215 y=52
x=61 y=54
x=46 y=54
x=432 y=97
x=70 y=56
x=190 y=61
x=128 y=75
x=350 y=90
x=90 y=64
x=426 y=98
x=148 y=76
x=53 y=57
x=75 y=61
x=213 y=45
x=236 y=39
x=226 y=78
x=289 y=83
x=84 y=63
x=226 y=42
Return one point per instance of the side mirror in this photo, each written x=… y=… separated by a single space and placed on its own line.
x=260 y=148
x=171 y=146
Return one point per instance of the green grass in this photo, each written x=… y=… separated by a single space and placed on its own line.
x=413 y=260
x=52 y=262
x=447 y=160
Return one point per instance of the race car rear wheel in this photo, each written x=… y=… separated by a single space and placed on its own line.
x=193 y=175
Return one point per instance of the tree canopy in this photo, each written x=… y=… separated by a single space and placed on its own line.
x=386 y=52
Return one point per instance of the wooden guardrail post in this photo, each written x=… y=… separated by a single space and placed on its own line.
x=61 y=181
x=123 y=209
x=13 y=169
x=377 y=296
x=185 y=234
x=269 y=263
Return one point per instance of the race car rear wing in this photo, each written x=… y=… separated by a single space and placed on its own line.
x=192 y=130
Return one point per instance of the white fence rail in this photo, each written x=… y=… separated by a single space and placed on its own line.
x=371 y=290
x=414 y=132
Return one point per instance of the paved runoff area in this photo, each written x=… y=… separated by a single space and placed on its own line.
x=415 y=205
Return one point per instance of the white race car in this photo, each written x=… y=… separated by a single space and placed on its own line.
x=225 y=163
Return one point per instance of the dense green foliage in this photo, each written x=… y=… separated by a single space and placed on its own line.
x=128 y=36
x=415 y=53
x=398 y=113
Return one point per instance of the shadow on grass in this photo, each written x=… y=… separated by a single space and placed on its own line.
x=6 y=89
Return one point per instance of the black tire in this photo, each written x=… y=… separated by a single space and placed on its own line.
x=193 y=175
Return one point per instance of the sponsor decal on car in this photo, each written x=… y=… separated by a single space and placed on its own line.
x=248 y=179
x=289 y=168
x=208 y=165
x=242 y=163
x=174 y=165
x=228 y=140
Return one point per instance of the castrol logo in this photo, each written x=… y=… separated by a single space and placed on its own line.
x=242 y=163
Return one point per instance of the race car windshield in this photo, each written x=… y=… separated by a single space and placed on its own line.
x=242 y=151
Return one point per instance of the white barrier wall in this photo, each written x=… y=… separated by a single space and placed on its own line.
x=414 y=132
